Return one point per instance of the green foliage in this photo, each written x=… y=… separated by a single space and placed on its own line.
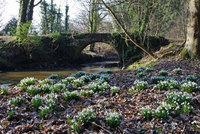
x=192 y=78
x=71 y=95
x=4 y=91
x=167 y=85
x=141 y=85
x=114 y=90
x=37 y=101
x=113 y=119
x=141 y=74
x=189 y=86
x=33 y=90
x=27 y=81
x=16 y=100
x=147 y=112
x=11 y=27
x=86 y=116
x=163 y=73
x=177 y=71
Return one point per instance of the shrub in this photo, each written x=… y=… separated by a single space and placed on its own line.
x=37 y=101
x=141 y=85
x=189 y=86
x=147 y=112
x=33 y=89
x=115 y=89
x=113 y=119
x=163 y=73
x=86 y=116
x=192 y=78
x=27 y=81
x=71 y=95
x=177 y=71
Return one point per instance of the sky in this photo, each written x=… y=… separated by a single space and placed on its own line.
x=11 y=9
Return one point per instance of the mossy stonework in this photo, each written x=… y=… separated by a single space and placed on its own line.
x=59 y=50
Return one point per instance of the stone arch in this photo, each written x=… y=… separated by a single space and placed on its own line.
x=85 y=44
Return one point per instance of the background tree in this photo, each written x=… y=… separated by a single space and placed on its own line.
x=51 y=18
x=192 y=46
x=25 y=16
x=10 y=27
x=66 y=18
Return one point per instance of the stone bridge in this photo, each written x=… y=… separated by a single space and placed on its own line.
x=124 y=48
x=79 y=42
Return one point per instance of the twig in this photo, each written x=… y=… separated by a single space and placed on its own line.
x=101 y=127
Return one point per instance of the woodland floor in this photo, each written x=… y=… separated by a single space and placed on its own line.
x=27 y=119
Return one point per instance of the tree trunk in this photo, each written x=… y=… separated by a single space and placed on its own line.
x=25 y=16
x=192 y=46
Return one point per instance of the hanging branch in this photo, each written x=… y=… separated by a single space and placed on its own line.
x=127 y=34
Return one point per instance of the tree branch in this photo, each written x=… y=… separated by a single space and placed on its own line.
x=37 y=3
x=127 y=34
